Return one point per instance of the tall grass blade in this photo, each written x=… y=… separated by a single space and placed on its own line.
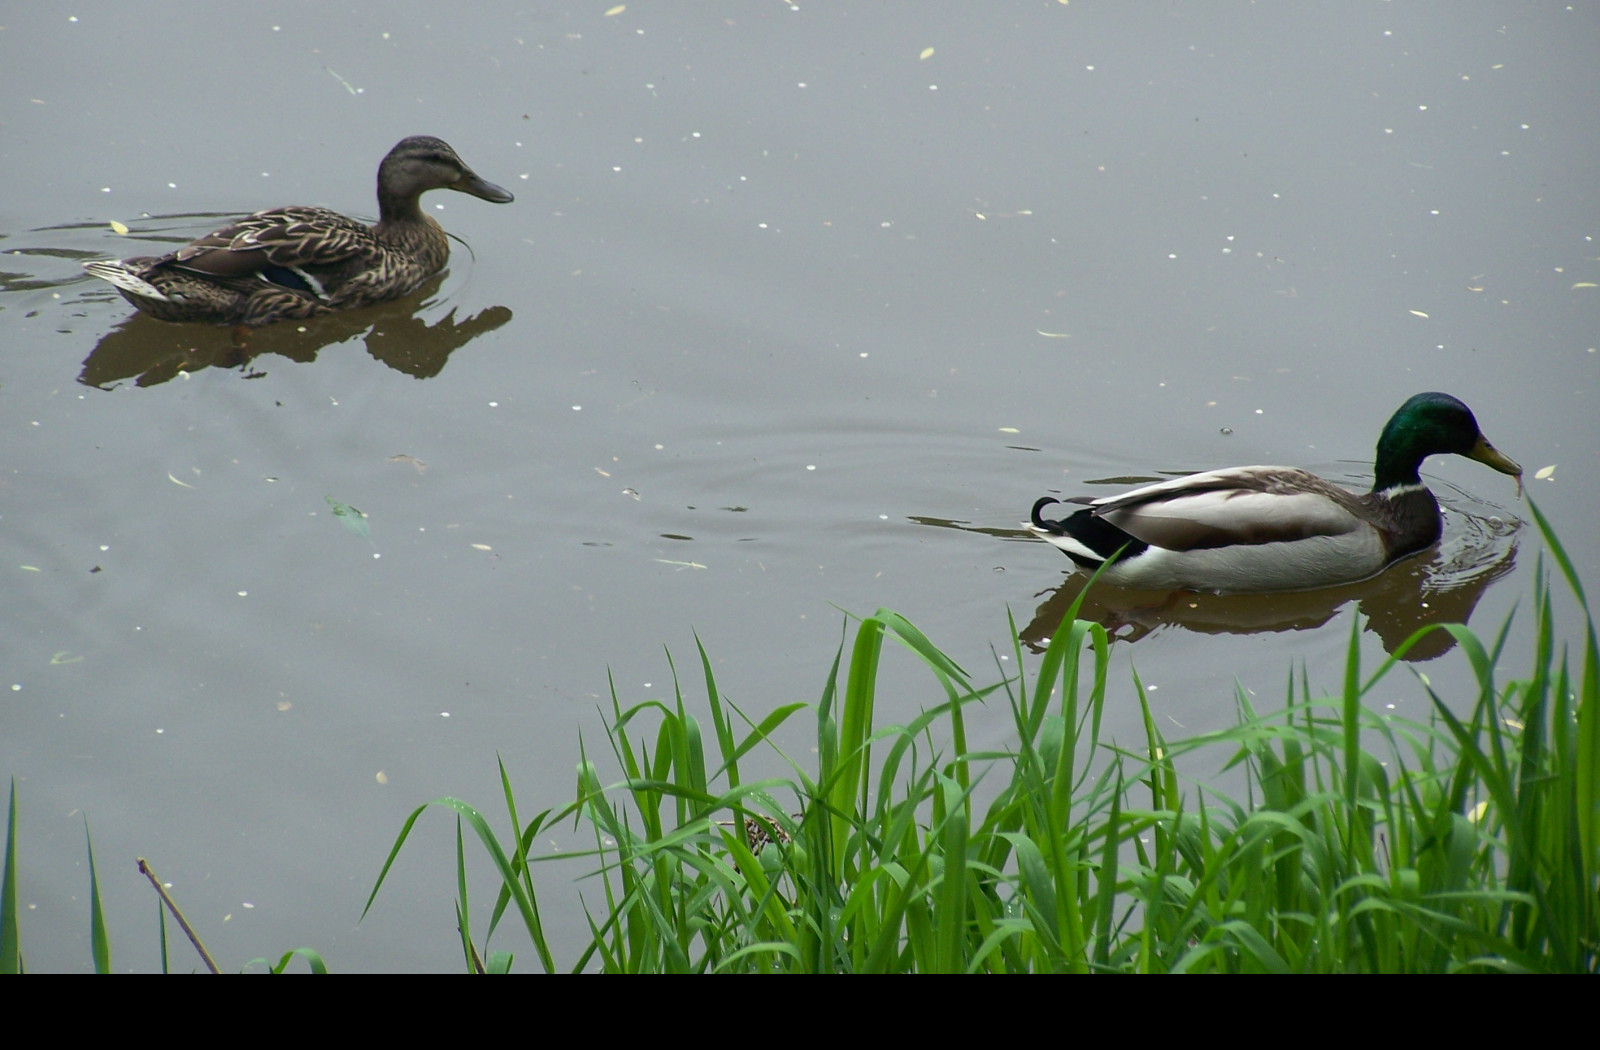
x=10 y=941
x=463 y=912
x=99 y=942
x=161 y=927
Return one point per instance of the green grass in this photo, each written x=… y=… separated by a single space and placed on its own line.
x=1365 y=842
x=11 y=960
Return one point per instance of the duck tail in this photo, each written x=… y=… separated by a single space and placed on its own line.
x=1053 y=527
x=1084 y=536
x=125 y=278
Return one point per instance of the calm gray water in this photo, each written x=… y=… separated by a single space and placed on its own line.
x=798 y=310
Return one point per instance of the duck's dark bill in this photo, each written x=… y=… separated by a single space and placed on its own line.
x=486 y=190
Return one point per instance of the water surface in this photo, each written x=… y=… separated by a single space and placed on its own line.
x=798 y=310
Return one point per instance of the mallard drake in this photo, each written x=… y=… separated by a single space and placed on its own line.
x=297 y=262
x=1275 y=528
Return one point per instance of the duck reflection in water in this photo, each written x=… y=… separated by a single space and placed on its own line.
x=397 y=333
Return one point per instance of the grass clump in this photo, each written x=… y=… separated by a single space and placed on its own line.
x=1365 y=842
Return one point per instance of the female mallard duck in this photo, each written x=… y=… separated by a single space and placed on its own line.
x=1275 y=528
x=298 y=262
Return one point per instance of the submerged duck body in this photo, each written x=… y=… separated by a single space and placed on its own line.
x=298 y=262
x=1266 y=528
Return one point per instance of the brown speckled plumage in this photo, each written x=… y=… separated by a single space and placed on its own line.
x=297 y=262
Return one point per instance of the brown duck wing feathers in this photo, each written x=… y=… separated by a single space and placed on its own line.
x=292 y=238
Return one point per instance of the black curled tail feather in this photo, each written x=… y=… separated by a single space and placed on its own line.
x=1039 y=523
